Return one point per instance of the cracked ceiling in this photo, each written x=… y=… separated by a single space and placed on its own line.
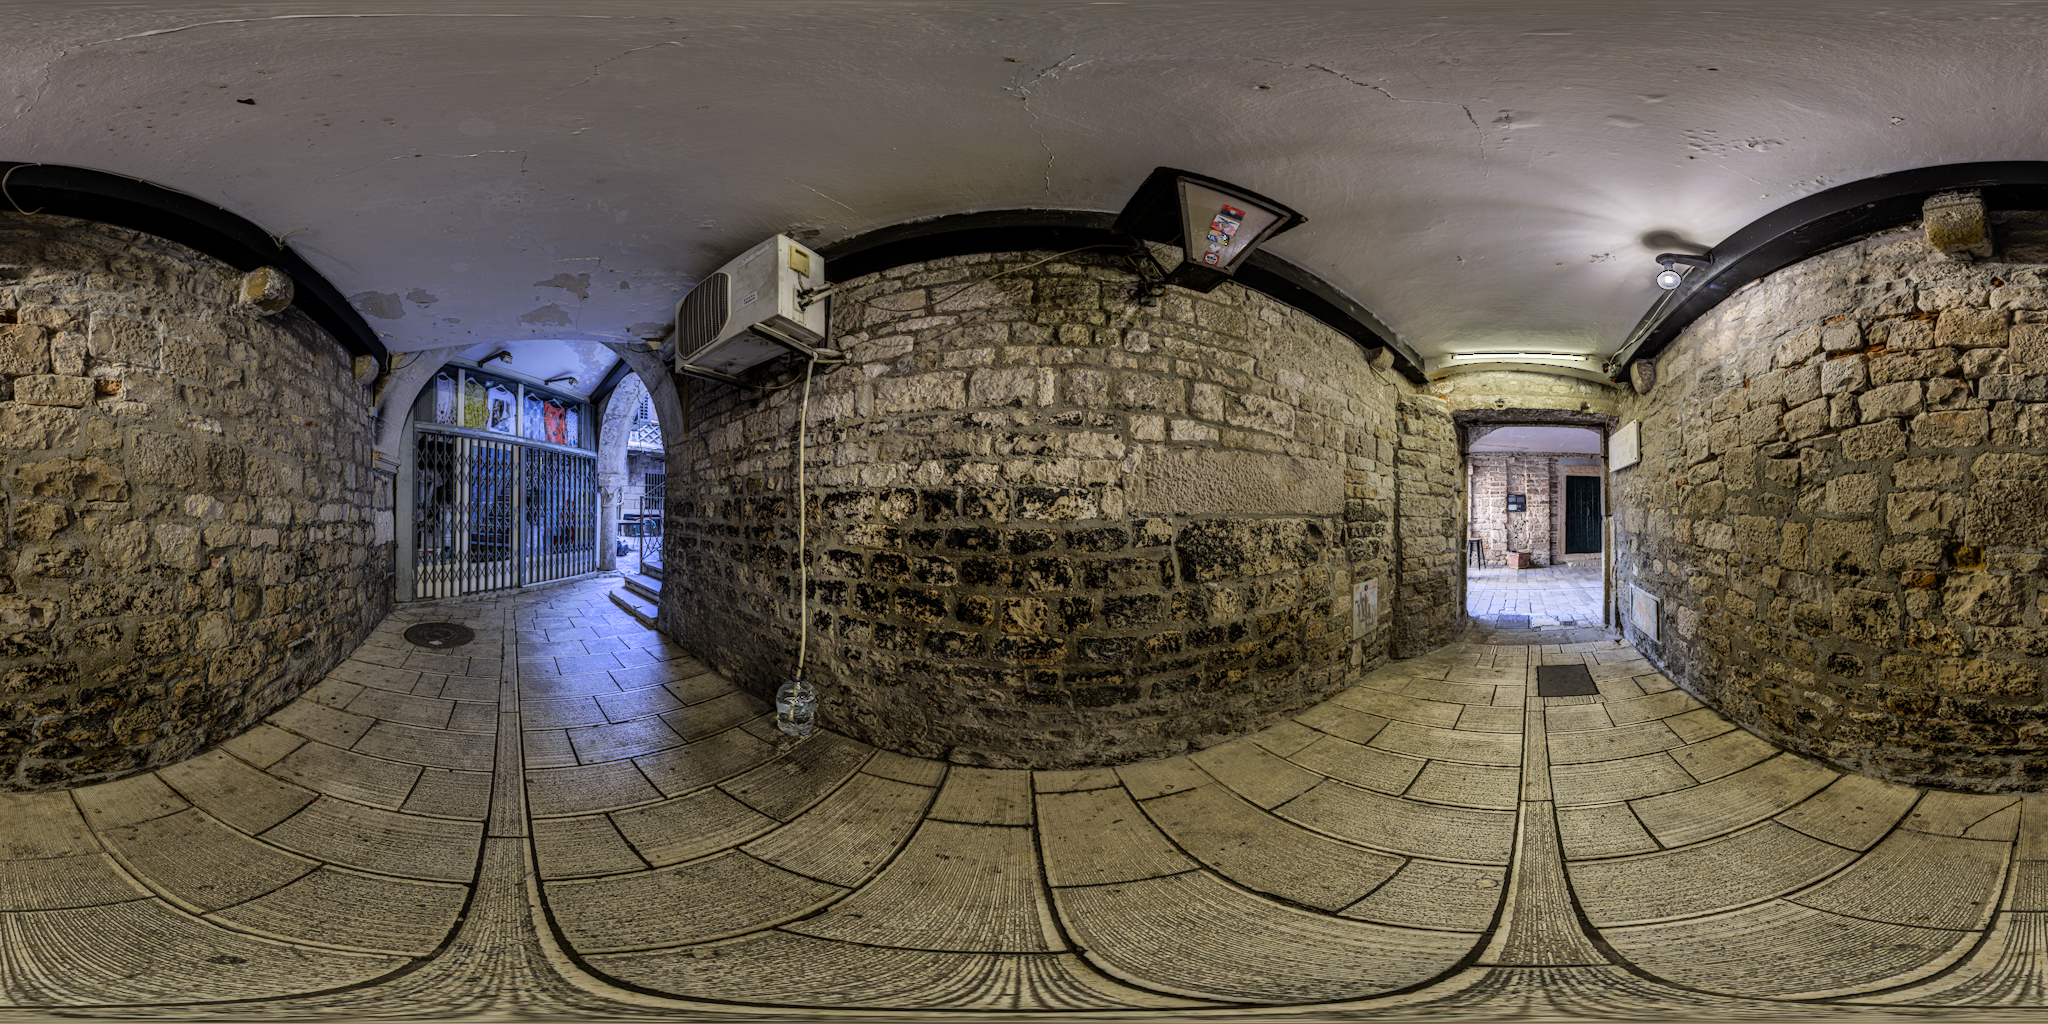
x=1480 y=175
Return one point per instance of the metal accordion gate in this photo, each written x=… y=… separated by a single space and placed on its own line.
x=492 y=514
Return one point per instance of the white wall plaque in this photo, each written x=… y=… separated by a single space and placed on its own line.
x=1365 y=607
x=1643 y=610
x=1625 y=448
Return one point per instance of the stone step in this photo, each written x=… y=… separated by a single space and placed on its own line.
x=645 y=587
x=640 y=608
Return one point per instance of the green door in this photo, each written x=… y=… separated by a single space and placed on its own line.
x=1581 y=514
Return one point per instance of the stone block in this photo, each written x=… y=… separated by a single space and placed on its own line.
x=1866 y=615
x=88 y=479
x=1149 y=393
x=38 y=521
x=2018 y=296
x=1983 y=362
x=1854 y=494
x=24 y=349
x=49 y=389
x=1983 y=599
x=2007 y=512
x=1902 y=399
x=1012 y=387
x=1956 y=225
x=1841 y=336
x=1918 y=511
x=924 y=392
x=37 y=428
x=2012 y=387
x=1901 y=334
x=2029 y=346
x=1798 y=347
x=1809 y=420
x=1983 y=677
x=1951 y=429
x=1845 y=374
x=1972 y=328
x=1800 y=386
x=1218 y=482
x=1881 y=440
x=1892 y=367
x=120 y=341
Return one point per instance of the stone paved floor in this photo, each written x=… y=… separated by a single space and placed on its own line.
x=571 y=819
x=1558 y=595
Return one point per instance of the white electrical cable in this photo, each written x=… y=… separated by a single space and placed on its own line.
x=803 y=566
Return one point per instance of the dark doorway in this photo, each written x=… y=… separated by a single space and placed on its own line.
x=1581 y=514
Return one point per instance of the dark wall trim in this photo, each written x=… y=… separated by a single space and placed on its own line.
x=1816 y=224
x=166 y=213
x=1060 y=230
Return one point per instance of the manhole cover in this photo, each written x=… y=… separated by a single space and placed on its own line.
x=440 y=634
x=1565 y=681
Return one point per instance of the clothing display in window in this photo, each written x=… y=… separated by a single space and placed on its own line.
x=503 y=410
x=444 y=399
x=475 y=409
x=532 y=425
x=557 y=422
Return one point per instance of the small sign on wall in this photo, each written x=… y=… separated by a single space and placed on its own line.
x=1643 y=610
x=1625 y=448
x=1365 y=607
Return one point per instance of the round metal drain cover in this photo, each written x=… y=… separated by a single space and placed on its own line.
x=440 y=634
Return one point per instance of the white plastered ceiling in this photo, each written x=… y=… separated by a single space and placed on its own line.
x=1481 y=175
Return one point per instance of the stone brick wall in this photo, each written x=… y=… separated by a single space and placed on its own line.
x=1843 y=503
x=1430 y=493
x=188 y=506
x=1538 y=530
x=1516 y=389
x=1052 y=528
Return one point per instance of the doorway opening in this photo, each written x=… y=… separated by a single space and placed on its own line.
x=1535 y=547
x=500 y=483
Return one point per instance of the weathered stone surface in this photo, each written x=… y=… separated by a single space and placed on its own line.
x=50 y=389
x=1197 y=483
x=1838 y=593
x=138 y=618
x=1104 y=534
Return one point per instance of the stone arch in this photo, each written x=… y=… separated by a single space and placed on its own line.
x=614 y=423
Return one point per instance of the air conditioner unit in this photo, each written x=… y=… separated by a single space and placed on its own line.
x=752 y=310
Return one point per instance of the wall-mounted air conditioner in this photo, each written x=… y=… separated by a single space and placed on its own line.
x=752 y=310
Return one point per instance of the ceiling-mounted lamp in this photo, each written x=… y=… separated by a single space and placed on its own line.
x=571 y=380
x=1216 y=224
x=1670 y=278
x=505 y=354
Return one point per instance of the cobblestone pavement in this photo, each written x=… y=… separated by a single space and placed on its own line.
x=571 y=819
x=1558 y=595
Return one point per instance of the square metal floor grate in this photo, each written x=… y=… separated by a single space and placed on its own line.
x=1565 y=681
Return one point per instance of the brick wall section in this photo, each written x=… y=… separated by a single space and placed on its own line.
x=1052 y=528
x=1431 y=497
x=188 y=507
x=1539 y=476
x=1841 y=505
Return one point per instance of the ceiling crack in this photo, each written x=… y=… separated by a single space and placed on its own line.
x=1024 y=91
x=597 y=68
x=836 y=202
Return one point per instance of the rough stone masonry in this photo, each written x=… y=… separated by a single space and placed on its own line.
x=1051 y=527
x=187 y=539
x=1843 y=504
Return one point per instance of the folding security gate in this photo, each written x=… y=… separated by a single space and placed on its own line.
x=490 y=514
